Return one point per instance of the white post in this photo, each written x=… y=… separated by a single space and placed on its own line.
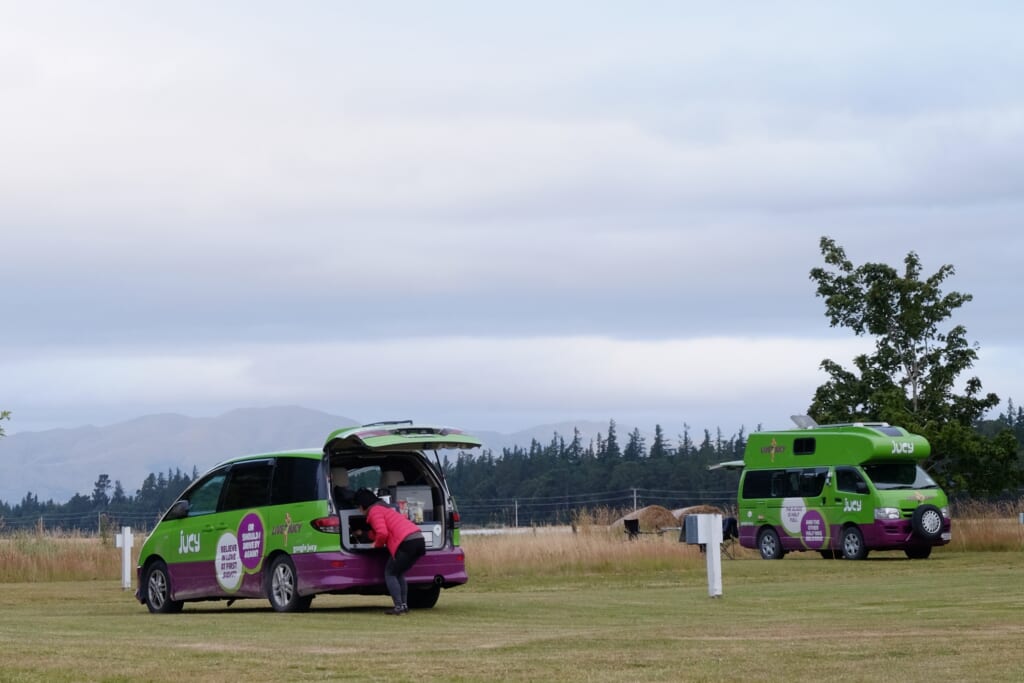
x=712 y=531
x=125 y=540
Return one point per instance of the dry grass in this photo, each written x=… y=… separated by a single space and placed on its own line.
x=48 y=556
x=595 y=543
x=988 y=526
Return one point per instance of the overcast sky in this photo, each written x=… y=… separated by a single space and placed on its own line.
x=489 y=215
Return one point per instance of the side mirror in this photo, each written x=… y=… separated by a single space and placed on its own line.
x=178 y=511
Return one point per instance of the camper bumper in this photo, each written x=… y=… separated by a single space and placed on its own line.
x=897 y=533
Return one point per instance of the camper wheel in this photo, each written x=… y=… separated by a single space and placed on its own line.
x=927 y=522
x=853 y=544
x=769 y=545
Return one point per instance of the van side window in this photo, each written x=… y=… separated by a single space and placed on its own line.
x=295 y=481
x=202 y=500
x=812 y=481
x=850 y=481
x=248 y=485
x=804 y=482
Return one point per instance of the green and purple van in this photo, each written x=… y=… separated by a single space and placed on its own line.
x=281 y=526
x=841 y=490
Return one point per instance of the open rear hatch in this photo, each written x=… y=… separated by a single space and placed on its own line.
x=399 y=436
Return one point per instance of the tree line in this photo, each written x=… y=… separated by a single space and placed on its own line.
x=108 y=507
x=546 y=483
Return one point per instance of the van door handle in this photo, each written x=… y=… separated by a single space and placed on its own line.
x=839 y=500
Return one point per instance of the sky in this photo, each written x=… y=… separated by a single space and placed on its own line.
x=488 y=215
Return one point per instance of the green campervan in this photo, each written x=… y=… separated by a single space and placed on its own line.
x=283 y=526
x=841 y=490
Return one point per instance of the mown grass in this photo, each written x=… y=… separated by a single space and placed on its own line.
x=956 y=616
x=547 y=605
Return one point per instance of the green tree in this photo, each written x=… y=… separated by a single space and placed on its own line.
x=659 y=448
x=100 y=499
x=636 y=446
x=611 y=447
x=4 y=415
x=912 y=375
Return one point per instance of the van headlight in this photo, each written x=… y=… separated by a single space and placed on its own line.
x=945 y=512
x=887 y=513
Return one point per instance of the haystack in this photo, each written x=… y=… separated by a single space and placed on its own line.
x=679 y=514
x=652 y=518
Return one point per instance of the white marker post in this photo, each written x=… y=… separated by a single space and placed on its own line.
x=125 y=541
x=711 y=528
x=706 y=530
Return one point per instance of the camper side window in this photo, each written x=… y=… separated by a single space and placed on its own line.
x=806 y=482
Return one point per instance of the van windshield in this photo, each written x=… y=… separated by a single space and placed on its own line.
x=899 y=475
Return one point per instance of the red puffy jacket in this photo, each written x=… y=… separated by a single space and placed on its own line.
x=390 y=527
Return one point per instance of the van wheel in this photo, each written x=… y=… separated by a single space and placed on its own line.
x=769 y=544
x=423 y=598
x=282 y=587
x=853 y=544
x=157 y=585
x=918 y=552
x=927 y=522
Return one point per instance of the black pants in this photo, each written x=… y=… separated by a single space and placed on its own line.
x=410 y=550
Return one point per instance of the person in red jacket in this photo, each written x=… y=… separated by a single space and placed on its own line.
x=405 y=543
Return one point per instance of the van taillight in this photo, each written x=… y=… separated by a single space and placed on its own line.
x=455 y=520
x=328 y=525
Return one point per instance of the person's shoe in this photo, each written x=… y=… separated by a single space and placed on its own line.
x=395 y=611
x=405 y=608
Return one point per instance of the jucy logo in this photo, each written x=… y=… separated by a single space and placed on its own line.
x=188 y=543
x=851 y=505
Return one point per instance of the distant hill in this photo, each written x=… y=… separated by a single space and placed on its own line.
x=58 y=463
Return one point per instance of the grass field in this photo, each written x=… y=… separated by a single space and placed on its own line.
x=585 y=607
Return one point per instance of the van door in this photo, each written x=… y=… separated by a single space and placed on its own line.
x=222 y=537
x=850 y=500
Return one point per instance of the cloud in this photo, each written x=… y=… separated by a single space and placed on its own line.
x=475 y=378
x=205 y=204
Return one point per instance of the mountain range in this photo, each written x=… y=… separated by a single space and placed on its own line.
x=58 y=463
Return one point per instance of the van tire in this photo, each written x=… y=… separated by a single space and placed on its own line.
x=283 y=587
x=918 y=552
x=769 y=545
x=927 y=522
x=423 y=598
x=853 y=544
x=156 y=585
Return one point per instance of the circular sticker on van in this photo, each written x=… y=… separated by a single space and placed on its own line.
x=793 y=510
x=250 y=536
x=812 y=530
x=229 y=566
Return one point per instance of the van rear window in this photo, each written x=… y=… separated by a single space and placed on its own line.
x=295 y=481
